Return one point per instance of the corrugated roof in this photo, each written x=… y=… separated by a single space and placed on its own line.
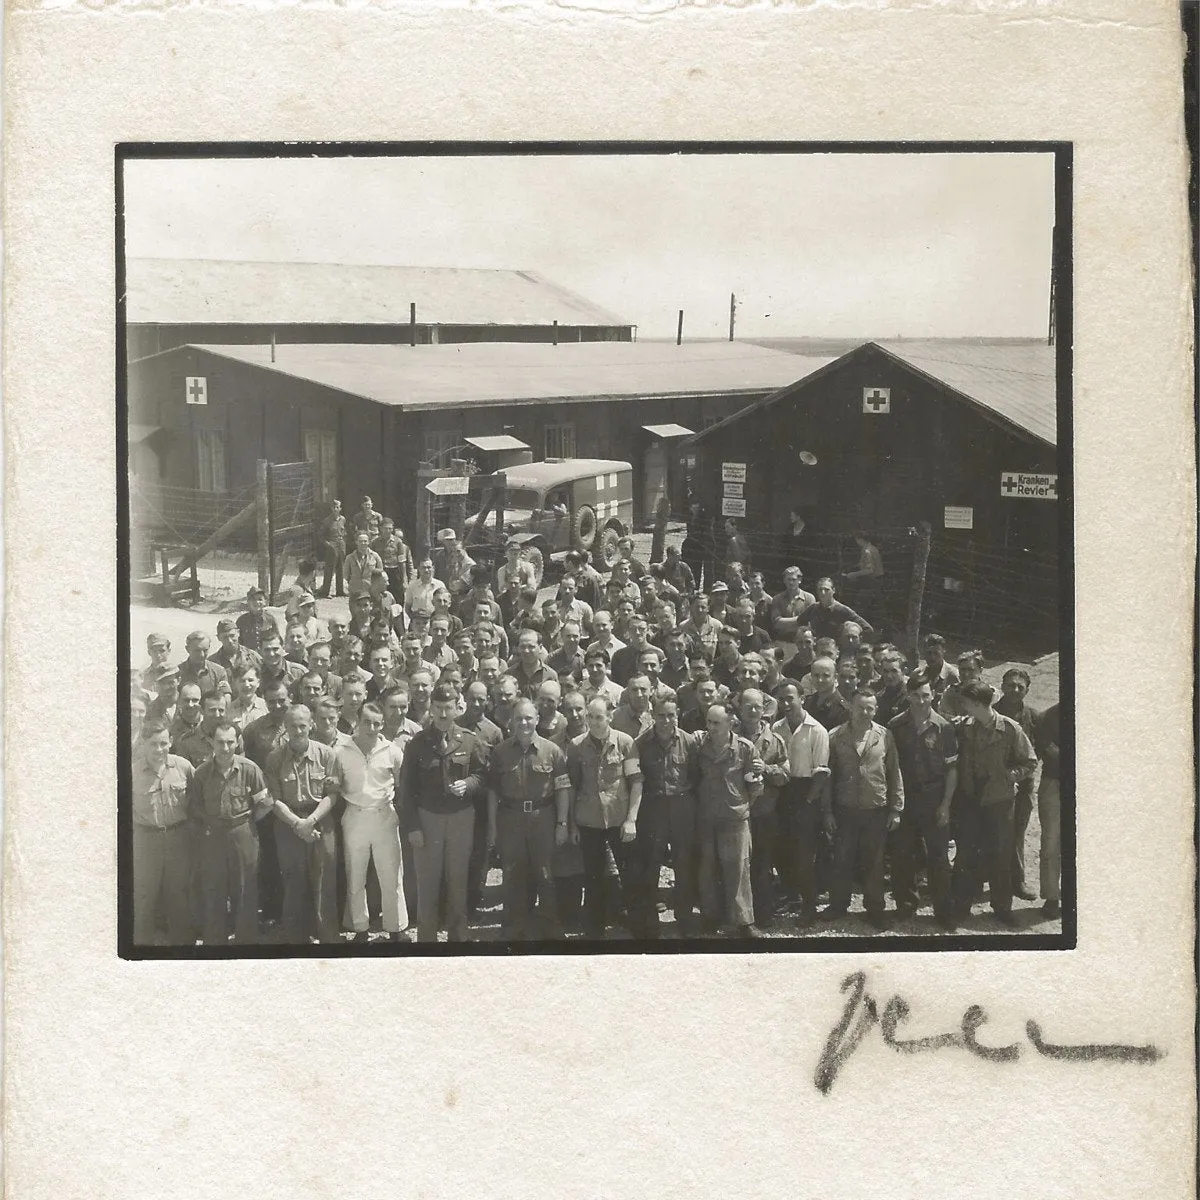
x=488 y=373
x=1015 y=382
x=206 y=291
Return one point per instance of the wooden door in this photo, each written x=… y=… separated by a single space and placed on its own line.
x=320 y=448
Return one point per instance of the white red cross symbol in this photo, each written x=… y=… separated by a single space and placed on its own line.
x=877 y=400
x=196 y=389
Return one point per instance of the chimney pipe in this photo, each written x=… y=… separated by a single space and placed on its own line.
x=679 y=331
x=555 y=333
x=412 y=324
x=272 y=345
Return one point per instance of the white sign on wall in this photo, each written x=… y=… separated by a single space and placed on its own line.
x=731 y=507
x=958 y=517
x=733 y=472
x=877 y=400
x=735 y=490
x=195 y=389
x=1020 y=485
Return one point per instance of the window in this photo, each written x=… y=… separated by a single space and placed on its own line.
x=437 y=445
x=210 y=465
x=560 y=441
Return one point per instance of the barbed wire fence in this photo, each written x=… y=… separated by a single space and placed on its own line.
x=188 y=545
x=973 y=593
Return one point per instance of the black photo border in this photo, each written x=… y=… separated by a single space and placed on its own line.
x=877 y=943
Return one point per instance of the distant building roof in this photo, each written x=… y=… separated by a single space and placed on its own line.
x=206 y=291
x=493 y=373
x=1014 y=382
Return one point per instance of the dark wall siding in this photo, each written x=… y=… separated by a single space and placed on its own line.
x=881 y=471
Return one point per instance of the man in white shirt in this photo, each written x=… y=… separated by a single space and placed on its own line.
x=799 y=804
x=418 y=596
x=595 y=678
x=365 y=773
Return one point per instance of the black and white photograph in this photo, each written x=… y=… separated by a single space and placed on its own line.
x=594 y=548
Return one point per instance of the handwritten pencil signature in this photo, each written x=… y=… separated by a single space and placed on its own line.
x=847 y=1035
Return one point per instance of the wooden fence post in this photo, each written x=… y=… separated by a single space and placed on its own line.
x=658 y=543
x=916 y=591
x=262 y=505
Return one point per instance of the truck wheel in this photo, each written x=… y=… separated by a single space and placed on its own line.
x=609 y=551
x=534 y=557
x=583 y=528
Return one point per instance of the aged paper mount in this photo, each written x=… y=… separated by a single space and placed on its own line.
x=598 y=1076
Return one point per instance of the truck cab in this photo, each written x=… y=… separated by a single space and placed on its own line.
x=569 y=504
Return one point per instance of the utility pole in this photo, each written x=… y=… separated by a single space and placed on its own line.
x=1053 y=283
x=732 y=313
x=679 y=331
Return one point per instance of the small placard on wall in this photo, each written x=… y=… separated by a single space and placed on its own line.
x=959 y=518
x=733 y=508
x=732 y=472
x=734 y=490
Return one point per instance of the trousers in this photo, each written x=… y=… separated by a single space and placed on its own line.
x=599 y=908
x=798 y=840
x=270 y=880
x=859 y=842
x=725 y=892
x=1022 y=811
x=764 y=834
x=919 y=831
x=1050 y=818
x=664 y=821
x=984 y=835
x=309 y=871
x=335 y=560
x=526 y=842
x=229 y=871
x=443 y=859
x=162 y=871
x=373 y=835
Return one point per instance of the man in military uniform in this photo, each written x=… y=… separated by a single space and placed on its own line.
x=196 y=744
x=189 y=715
x=529 y=792
x=867 y=792
x=162 y=838
x=731 y=778
x=275 y=666
x=927 y=746
x=298 y=777
x=607 y=777
x=228 y=795
x=260 y=738
x=667 y=817
x=232 y=653
x=439 y=780
x=255 y=624
x=764 y=819
x=994 y=756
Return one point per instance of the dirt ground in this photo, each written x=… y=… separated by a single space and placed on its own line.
x=223 y=587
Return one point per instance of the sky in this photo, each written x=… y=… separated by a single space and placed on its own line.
x=813 y=245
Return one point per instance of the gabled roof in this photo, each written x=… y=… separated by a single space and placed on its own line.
x=1013 y=384
x=492 y=373
x=205 y=291
x=1016 y=382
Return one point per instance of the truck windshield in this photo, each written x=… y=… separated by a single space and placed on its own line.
x=523 y=498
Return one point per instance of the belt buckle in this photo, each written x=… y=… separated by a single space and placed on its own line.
x=527 y=806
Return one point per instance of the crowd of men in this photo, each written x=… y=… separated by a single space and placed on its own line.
x=310 y=776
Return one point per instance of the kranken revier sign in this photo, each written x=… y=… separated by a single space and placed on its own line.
x=1018 y=485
